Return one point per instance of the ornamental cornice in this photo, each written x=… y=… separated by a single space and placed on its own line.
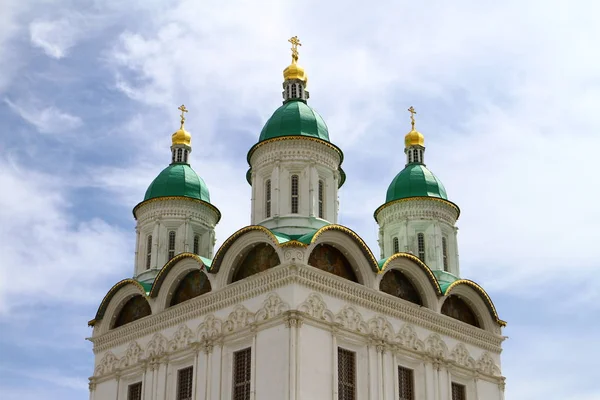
x=417 y=208
x=179 y=208
x=282 y=145
x=293 y=151
x=313 y=279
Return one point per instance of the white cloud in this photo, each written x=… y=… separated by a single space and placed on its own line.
x=47 y=119
x=54 y=37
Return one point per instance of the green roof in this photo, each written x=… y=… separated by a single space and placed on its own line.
x=295 y=118
x=415 y=180
x=178 y=180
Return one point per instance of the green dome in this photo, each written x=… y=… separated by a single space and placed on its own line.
x=178 y=180
x=415 y=181
x=295 y=118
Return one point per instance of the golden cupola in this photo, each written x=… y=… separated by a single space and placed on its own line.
x=182 y=137
x=294 y=71
x=414 y=137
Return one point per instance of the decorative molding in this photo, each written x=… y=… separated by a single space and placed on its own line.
x=181 y=339
x=108 y=364
x=239 y=318
x=435 y=347
x=272 y=307
x=316 y=308
x=133 y=355
x=486 y=365
x=460 y=356
x=157 y=347
x=408 y=339
x=349 y=318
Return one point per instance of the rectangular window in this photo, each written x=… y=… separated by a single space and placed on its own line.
x=242 y=373
x=196 y=244
x=321 y=197
x=171 y=244
x=406 y=383
x=294 y=91
x=421 y=243
x=268 y=198
x=294 y=194
x=134 y=392
x=458 y=391
x=346 y=374
x=184 y=383
x=148 y=251
x=445 y=253
x=396 y=245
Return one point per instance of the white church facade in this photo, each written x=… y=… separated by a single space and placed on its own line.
x=296 y=306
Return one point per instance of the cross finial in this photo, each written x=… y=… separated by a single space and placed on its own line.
x=295 y=43
x=412 y=112
x=183 y=111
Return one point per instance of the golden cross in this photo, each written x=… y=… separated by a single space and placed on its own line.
x=295 y=43
x=183 y=110
x=412 y=112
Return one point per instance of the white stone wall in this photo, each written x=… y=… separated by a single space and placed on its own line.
x=406 y=219
x=186 y=218
x=280 y=159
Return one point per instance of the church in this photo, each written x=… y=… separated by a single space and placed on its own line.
x=296 y=306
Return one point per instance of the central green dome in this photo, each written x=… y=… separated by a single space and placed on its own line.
x=178 y=180
x=415 y=180
x=295 y=118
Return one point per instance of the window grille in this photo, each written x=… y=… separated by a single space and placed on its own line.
x=415 y=155
x=242 y=373
x=134 y=392
x=148 y=251
x=406 y=384
x=294 y=194
x=445 y=253
x=179 y=155
x=184 y=383
x=196 y=244
x=458 y=391
x=346 y=374
x=321 y=197
x=268 y=198
x=396 y=245
x=171 y=244
x=421 y=242
x=294 y=91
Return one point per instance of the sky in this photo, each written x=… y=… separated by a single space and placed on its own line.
x=506 y=94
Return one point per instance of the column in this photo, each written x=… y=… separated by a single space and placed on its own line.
x=276 y=190
x=312 y=191
x=92 y=387
x=334 y=374
x=293 y=323
x=253 y=198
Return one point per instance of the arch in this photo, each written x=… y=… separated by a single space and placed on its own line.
x=327 y=258
x=457 y=308
x=136 y=288
x=397 y=284
x=223 y=250
x=194 y=284
x=416 y=261
x=352 y=236
x=164 y=272
x=464 y=286
x=259 y=258
x=135 y=308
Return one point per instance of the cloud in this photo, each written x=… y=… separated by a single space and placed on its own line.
x=46 y=119
x=54 y=37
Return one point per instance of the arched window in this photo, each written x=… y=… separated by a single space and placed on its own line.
x=396 y=245
x=300 y=91
x=457 y=308
x=415 y=155
x=294 y=91
x=179 y=154
x=397 y=284
x=294 y=192
x=262 y=257
x=330 y=259
x=173 y=155
x=321 y=198
x=197 y=244
x=268 y=198
x=445 y=253
x=192 y=285
x=171 y=244
x=137 y=307
x=421 y=243
x=185 y=156
x=148 y=251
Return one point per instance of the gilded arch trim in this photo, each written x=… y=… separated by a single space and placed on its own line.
x=216 y=264
x=484 y=296
x=434 y=282
x=111 y=293
x=162 y=274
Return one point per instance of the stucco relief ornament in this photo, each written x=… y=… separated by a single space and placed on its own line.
x=351 y=319
x=210 y=329
x=381 y=329
x=486 y=365
x=460 y=355
x=132 y=356
x=157 y=347
x=316 y=308
x=436 y=347
x=239 y=318
x=407 y=337
x=181 y=339
x=272 y=307
x=107 y=365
